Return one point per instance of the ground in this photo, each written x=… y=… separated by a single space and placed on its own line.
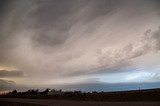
x=40 y=102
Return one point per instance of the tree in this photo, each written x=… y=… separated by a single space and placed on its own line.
x=14 y=92
x=46 y=91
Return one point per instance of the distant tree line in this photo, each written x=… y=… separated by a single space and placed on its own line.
x=46 y=92
x=30 y=92
x=135 y=95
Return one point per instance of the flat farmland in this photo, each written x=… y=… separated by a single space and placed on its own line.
x=42 y=102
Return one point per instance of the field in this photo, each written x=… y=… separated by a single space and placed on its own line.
x=40 y=102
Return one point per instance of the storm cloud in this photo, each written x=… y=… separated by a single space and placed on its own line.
x=62 y=41
x=6 y=85
x=4 y=73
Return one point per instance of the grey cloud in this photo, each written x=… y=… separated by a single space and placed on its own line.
x=156 y=38
x=156 y=77
x=149 y=42
x=119 y=66
x=5 y=73
x=6 y=85
x=3 y=4
x=122 y=60
x=54 y=30
x=53 y=19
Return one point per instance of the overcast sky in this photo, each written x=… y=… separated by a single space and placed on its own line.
x=73 y=42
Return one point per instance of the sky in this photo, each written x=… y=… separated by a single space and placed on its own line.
x=79 y=44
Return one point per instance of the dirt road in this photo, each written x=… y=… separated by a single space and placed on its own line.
x=42 y=102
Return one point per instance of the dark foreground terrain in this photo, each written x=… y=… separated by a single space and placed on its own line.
x=150 y=97
x=42 y=102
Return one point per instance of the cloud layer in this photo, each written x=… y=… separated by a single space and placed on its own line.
x=69 y=40
x=4 y=73
x=6 y=85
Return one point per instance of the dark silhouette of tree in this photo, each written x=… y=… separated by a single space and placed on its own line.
x=46 y=91
x=36 y=91
x=14 y=92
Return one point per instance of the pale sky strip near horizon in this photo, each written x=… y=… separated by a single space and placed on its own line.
x=60 y=42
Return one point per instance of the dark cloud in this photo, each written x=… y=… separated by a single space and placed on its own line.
x=4 y=74
x=3 y=4
x=50 y=19
x=55 y=18
x=156 y=37
x=6 y=85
